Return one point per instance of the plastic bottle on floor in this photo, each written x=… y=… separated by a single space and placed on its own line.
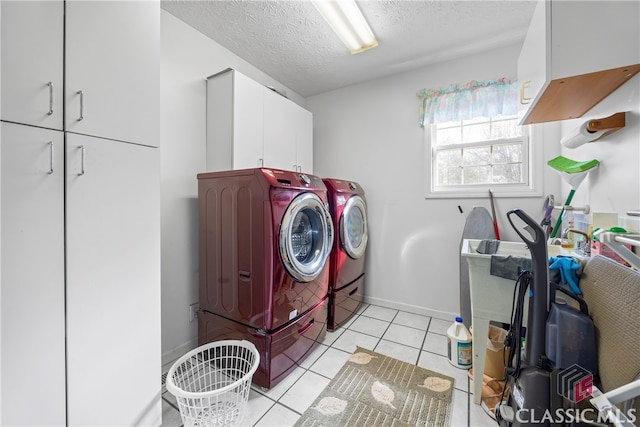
x=459 y=349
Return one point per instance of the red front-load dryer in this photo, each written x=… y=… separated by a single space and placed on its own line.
x=347 y=260
x=265 y=236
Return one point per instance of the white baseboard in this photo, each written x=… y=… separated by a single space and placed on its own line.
x=175 y=353
x=438 y=314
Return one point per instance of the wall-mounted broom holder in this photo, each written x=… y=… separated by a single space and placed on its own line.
x=586 y=208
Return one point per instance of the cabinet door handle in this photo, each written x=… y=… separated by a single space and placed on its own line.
x=50 y=143
x=524 y=99
x=82 y=159
x=260 y=163
x=81 y=93
x=299 y=168
x=50 y=112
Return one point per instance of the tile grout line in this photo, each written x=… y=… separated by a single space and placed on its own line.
x=468 y=404
x=265 y=413
x=423 y=341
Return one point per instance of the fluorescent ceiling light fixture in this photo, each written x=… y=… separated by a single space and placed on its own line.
x=345 y=18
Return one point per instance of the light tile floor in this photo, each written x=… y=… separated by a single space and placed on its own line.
x=406 y=336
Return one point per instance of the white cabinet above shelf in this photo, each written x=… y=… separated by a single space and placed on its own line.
x=575 y=54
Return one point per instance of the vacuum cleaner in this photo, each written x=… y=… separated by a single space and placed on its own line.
x=558 y=337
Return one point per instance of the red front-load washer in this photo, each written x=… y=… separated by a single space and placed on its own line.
x=265 y=236
x=347 y=260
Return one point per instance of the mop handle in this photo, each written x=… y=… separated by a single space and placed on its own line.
x=559 y=220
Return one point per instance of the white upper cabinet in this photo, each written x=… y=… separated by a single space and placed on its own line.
x=234 y=122
x=249 y=125
x=280 y=150
x=575 y=54
x=32 y=52
x=112 y=79
x=248 y=122
x=303 y=123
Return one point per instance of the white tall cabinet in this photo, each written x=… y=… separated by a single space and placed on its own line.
x=250 y=125
x=113 y=281
x=80 y=227
x=33 y=326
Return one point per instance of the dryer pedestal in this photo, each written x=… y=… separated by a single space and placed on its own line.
x=344 y=302
x=281 y=351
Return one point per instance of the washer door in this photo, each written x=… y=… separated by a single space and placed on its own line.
x=306 y=237
x=353 y=227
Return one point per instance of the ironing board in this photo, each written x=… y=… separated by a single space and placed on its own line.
x=479 y=225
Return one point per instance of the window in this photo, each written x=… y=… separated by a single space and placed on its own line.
x=473 y=142
x=466 y=158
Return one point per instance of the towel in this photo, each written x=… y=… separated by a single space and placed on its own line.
x=568 y=268
x=508 y=266
x=488 y=246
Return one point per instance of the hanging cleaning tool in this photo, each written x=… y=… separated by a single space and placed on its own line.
x=493 y=214
x=547 y=208
x=573 y=173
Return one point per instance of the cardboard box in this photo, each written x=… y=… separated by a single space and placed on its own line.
x=495 y=357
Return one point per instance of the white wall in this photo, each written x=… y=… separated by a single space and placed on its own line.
x=188 y=57
x=369 y=133
x=615 y=185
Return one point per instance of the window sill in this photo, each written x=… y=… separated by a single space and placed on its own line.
x=483 y=193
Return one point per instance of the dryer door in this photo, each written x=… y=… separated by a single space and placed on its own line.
x=306 y=237
x=353 y=227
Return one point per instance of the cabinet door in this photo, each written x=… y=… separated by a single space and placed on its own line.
x=279 y=133
x=32 y=52
x=32 y=230
x=113 y=70
x=534 y=62
x=580 y=28
x=113 y=282
x=248 y=129
x=302 y=120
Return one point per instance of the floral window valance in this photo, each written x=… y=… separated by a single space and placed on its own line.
x=466 y=101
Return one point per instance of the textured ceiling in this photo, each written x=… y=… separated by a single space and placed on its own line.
x=290 y=41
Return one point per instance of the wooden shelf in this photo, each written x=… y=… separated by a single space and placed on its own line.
x=572 y=97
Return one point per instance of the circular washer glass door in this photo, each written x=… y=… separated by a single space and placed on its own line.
x=353 y=227
x=306 y=237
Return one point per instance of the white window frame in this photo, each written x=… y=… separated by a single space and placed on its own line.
x=532 y=155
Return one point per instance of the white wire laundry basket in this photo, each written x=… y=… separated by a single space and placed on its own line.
x=211 y=383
